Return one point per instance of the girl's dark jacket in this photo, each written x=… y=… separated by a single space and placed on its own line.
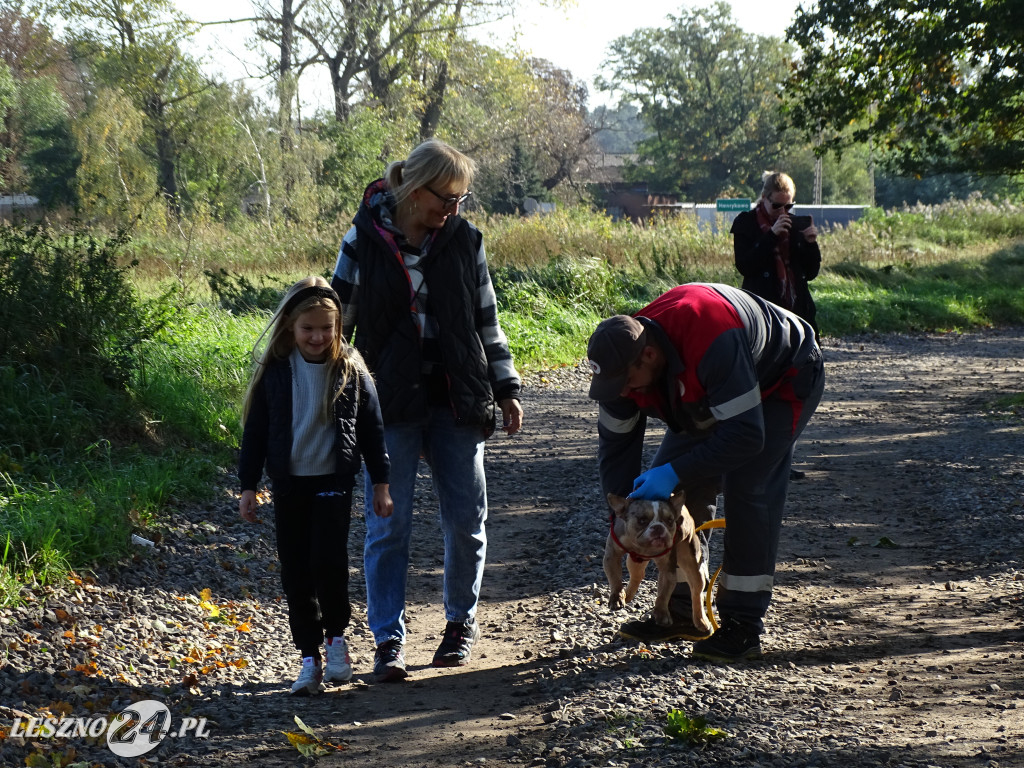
x=755 y=260
x=267 y=437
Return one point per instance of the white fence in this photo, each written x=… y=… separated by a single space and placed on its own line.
x=825 y=216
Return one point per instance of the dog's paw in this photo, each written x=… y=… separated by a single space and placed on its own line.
x=662 y=618
x=616 y=603
x=701 y=622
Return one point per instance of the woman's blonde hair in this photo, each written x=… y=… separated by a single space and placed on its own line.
x=277 y=341
x=777 y=181
x=432 y=163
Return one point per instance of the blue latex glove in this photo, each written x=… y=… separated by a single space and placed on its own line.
x=655 y=483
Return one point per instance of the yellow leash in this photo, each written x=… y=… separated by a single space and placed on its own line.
x=718 y=522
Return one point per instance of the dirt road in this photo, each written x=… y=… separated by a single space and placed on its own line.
x=895 y=636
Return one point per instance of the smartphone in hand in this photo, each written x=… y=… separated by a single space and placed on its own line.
x=800 y=223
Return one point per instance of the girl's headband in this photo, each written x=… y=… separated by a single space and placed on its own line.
x=313 y=291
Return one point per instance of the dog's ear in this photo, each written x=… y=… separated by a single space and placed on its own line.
x=618 y=504
x=676 y=501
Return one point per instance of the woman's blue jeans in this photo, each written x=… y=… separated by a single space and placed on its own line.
x=455 y=455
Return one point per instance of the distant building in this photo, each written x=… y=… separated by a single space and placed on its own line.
x=19 y=206
x=623 y=199
x=532 y=207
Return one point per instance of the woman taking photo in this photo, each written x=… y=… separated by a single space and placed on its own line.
x=777 y=252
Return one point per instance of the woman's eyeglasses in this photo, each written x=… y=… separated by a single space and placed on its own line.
x=449 y=202
x=775 y=206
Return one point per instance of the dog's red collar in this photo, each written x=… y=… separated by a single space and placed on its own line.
x=633 y=555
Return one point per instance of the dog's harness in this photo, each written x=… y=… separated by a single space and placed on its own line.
x=633 y=555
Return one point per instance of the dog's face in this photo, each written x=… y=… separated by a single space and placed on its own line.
x=646 y=527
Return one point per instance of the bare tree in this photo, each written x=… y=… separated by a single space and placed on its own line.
x=370 y=46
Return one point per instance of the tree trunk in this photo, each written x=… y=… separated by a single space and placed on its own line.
x=166 y=167
x=435 y=99
x=339 y=84
x=285 y=79
x=166 y=156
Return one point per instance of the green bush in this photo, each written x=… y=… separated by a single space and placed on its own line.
x=238 y=294
x=80 y=461
x=67 y=307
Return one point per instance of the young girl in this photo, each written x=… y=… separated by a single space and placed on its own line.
x=310 y=412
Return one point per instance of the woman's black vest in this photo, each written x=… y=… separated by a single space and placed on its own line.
x=387 y=336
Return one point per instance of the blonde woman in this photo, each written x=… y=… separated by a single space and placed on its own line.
x=777 y=251
x=414 y=286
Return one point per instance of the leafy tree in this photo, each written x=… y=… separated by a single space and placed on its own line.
x=376 y=49
x=221 y=143
x=896 y=191
x=520 y=181
x=561 y=132
x=709 y=94
x=355 y=157
x=845 y=178
x=41 y=157
x=360 y=42
x=116 y=179
x=231 y=160
x=134 y=47
x=48 y=154
x=523 y=120
x=618 y=130
x=937 y=84
x=28 y=47
x=486 y=107
x=8 y=94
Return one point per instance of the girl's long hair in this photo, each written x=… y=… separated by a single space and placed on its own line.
x=277 y=341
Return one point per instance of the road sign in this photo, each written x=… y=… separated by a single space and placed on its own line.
x=732 y=204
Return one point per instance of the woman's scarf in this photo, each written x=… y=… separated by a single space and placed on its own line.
x=783 y=268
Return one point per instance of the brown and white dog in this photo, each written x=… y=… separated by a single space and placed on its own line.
x=662 y=531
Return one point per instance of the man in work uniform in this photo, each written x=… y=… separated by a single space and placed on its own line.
x=735 y=379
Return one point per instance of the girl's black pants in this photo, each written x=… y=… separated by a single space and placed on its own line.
x=311 y=518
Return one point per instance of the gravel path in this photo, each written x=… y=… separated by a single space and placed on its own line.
x=895 y=637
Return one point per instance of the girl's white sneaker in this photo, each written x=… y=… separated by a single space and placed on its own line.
x=338 y=668
x=309 y=678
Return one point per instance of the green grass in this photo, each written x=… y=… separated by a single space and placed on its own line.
x=84 y=515
x=936 y=296
x=70 y=495
x=694 y=731
x=82 y=464
x=201 y=363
